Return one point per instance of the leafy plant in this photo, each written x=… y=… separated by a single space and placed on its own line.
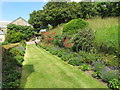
x=19 y=59
x=5 y=43
x=65 y=57
x=98 y=66
x=95 y=74
x=14 y=51
x=75 y=61
x=88 y=57
x=108 y=75
x=59 y=54
x=84 y=67
x=13 y=37
x=83 y=40
x=114 y=84
x=12 y=60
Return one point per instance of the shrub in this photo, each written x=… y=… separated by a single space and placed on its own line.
x=95 y=74
x=13 y=76
x=108 y=75
x=83 y=40
x=98 y=66
x=47 y=48
x=65 y=57
x=114 y=84
x=75 y=61
x=56 y=40
x=73 y=26
x=14 y=51
x=5 y=43
x=61 y=39
x=84 y=67
x=59 y=54
x=12 y=60
x=88 y=57
x=19 y=59
x=16 y=33
x=13 y=84
x=51 y=50
x=54 y=52
x=13 y=37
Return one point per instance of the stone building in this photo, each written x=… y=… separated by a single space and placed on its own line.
x=21 y=21
x=4 y=24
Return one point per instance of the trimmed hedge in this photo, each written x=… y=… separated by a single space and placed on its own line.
x=17 y=33
x=12 y=66
x=74 y=26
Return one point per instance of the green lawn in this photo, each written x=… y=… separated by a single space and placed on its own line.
x=57 y=29
x=43 y=70
x=106 y=31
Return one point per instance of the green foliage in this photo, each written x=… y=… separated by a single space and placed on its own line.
x=106 y=40
x=88 y=57
x=95 y=74
x=108 y=75
x=114 y=84
x=74 y=26
x=106 y=34
x=55 y=13
x=59 y=54
x=14 y=84
x=65 y=57
x=19 y=59
x=59 y=40
x=83 y=40
x=98 y=66
x=12 y=79
x=49 y=27
x=75 y=61
x=12 y=62
x=17 y=33
x=15 y=51
x=5 y=43
x=52 y=51
x=84 y=67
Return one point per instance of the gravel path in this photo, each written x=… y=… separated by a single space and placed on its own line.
x=32 y=42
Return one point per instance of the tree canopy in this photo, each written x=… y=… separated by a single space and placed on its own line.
x=55 y=13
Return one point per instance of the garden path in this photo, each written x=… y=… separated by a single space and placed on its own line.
x=44 y=70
